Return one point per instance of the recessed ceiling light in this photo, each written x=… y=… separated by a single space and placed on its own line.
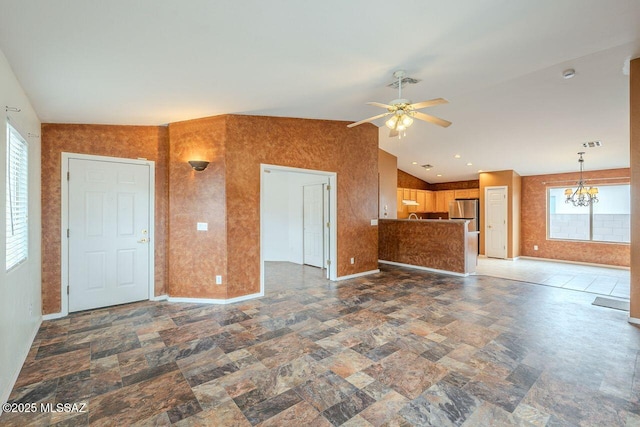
x=439 y=174
x=414 y=163
x=568 y=73
x=457 y=156
x=480 y=170
x=469 y=164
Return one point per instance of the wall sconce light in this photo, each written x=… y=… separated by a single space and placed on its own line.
x=198 y=165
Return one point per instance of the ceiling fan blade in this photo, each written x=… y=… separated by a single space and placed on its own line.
x=379 y=104
x=393 y=133
x=370 y=119
x=431 y=119
x=429 y=103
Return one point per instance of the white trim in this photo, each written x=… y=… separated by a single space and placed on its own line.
x=419 y=267
x=333 y=216
x=159 y=298
x=12 y=382
x=215 y=301
x=633 y=320
x=53 y=316
x=64 y=190
x=353 y=276
x=562 y=261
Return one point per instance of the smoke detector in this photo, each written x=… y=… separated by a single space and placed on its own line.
x=592 y=144
x=427 y=167
x=568 y=73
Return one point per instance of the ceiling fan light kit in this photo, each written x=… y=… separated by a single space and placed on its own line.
x=402 y=111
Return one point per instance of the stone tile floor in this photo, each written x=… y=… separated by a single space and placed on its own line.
x=398 y=348
x=614 y=282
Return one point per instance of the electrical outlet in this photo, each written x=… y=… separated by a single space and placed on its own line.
x=535 y=247
x=353 y=260
x=374 y=221
x=218 y=280
x=202 y=226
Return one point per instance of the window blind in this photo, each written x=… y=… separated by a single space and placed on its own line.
x=17 y=220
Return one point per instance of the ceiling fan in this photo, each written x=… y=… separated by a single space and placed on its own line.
x=402 y=111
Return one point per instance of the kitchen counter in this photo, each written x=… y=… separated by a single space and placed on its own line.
x=431 y=244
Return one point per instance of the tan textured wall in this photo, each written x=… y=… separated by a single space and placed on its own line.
x=456 y=185
x=433 y=244
x=196 y=257
x=534 y=222
x=310 y=144
x=406 y=180
x=497 y=179
x=150 y=142
x=387 y=184
x=634 y=103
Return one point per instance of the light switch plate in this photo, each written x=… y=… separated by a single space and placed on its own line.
x=202 y=226
x=374 y=222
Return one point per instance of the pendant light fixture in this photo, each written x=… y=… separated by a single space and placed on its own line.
x=582 y=196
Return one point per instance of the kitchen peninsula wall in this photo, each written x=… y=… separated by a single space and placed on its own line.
x=445 y=246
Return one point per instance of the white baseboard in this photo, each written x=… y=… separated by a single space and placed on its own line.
x=53 y=316
x=353 y=276
x=419 y=267
x=214 y=300
x=633 y=320
x=159 y=298
x=592 y=264
x=7 y=392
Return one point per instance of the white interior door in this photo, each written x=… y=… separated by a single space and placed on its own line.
x=108 y=233
x=313 y=225
x=496 y=222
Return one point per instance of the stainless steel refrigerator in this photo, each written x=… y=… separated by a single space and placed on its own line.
x=466 y=209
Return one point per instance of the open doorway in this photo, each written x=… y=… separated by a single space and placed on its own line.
x=298 y=237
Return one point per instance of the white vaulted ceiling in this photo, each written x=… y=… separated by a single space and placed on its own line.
x=498 y=62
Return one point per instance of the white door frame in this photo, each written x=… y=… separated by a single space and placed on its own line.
x=333 y=216
x=506 y=217
x=64 y=187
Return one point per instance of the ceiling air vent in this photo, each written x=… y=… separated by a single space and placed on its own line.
x=427 y=167
x=592 y=144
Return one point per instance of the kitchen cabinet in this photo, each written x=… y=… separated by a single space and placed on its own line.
x=461 y=194
x=469 y=193
x=443 y=197
x=429 y=201
x=425 y=201
x=420 y=200
x=401 y=210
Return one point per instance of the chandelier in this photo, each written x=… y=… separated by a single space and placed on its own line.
x=582 y=196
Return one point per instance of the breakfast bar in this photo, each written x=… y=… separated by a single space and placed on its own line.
x=445 y=246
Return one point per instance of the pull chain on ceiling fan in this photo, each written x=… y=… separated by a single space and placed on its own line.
x=402 y=111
